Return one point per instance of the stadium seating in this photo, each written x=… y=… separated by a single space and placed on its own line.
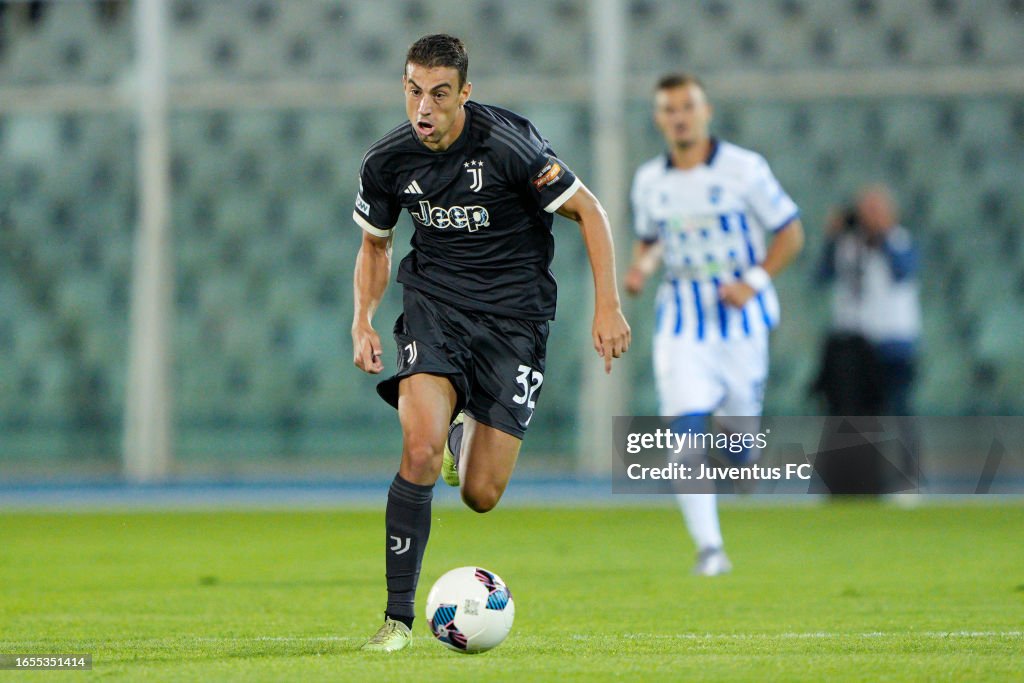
x=263 y=244
x=91 y=42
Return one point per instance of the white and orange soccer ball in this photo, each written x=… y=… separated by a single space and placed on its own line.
x=470 y=610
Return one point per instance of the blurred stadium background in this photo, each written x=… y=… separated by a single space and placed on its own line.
x=202 y=157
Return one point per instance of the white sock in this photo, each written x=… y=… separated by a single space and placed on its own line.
x=700 y=510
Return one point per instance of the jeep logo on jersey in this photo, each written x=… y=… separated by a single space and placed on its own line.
x=472 y=218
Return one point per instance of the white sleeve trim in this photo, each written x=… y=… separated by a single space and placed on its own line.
x=557 y=202
x=368 y=227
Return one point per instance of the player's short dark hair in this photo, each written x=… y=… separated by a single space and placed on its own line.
x=680 y=79
x=440 y=49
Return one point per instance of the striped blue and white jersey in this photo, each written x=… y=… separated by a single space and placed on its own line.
x=712 y=222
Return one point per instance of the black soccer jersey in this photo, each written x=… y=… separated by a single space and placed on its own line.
x=482 y=210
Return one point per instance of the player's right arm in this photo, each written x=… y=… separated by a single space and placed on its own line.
x=376 y=212
x=373 y=271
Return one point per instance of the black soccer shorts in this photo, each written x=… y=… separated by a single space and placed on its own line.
x=496 y=364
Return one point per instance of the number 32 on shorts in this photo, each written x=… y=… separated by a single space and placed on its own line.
x=529 y=381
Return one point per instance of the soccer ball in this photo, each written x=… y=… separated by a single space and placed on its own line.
x=470 y=609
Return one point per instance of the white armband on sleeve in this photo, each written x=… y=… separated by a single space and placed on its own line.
x=758 y=278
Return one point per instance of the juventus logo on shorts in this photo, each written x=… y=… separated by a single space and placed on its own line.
x=410 y=353
x=476 y=170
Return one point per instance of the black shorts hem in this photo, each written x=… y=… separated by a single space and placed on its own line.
x=517 y=432
x=387 y=389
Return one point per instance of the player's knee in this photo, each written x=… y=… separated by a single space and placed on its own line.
x=422 y=458
x=740 y=455
x=481 y=498
x=695 y=423
x=480 y=504
x=690 y=450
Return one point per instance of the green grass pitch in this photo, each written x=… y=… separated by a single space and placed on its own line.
x=858 y=591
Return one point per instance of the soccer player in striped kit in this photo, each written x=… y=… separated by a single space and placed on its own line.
x=705 y=210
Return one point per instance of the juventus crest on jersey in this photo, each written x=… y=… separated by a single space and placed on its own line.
x=481 y=210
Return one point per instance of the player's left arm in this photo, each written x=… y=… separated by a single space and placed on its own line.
x=787 y=242
x=610 y=332
x=646 y=260
x=770 y=204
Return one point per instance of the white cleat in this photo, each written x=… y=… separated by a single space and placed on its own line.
x=712 y=562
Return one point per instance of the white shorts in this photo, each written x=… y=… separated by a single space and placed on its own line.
x=711 y=376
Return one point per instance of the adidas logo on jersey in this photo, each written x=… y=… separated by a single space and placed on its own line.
x=414 y=188
x=472 y=218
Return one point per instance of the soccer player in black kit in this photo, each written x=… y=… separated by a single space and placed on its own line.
x=481 y=185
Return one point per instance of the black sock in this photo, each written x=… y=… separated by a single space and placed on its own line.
x=398 y=617
x=455 y=442
x=407 y=521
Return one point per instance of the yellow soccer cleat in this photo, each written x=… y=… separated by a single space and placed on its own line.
x=392 y=637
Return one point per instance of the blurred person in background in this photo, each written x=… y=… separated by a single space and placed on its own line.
x=869 y=362
x=705 y=209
